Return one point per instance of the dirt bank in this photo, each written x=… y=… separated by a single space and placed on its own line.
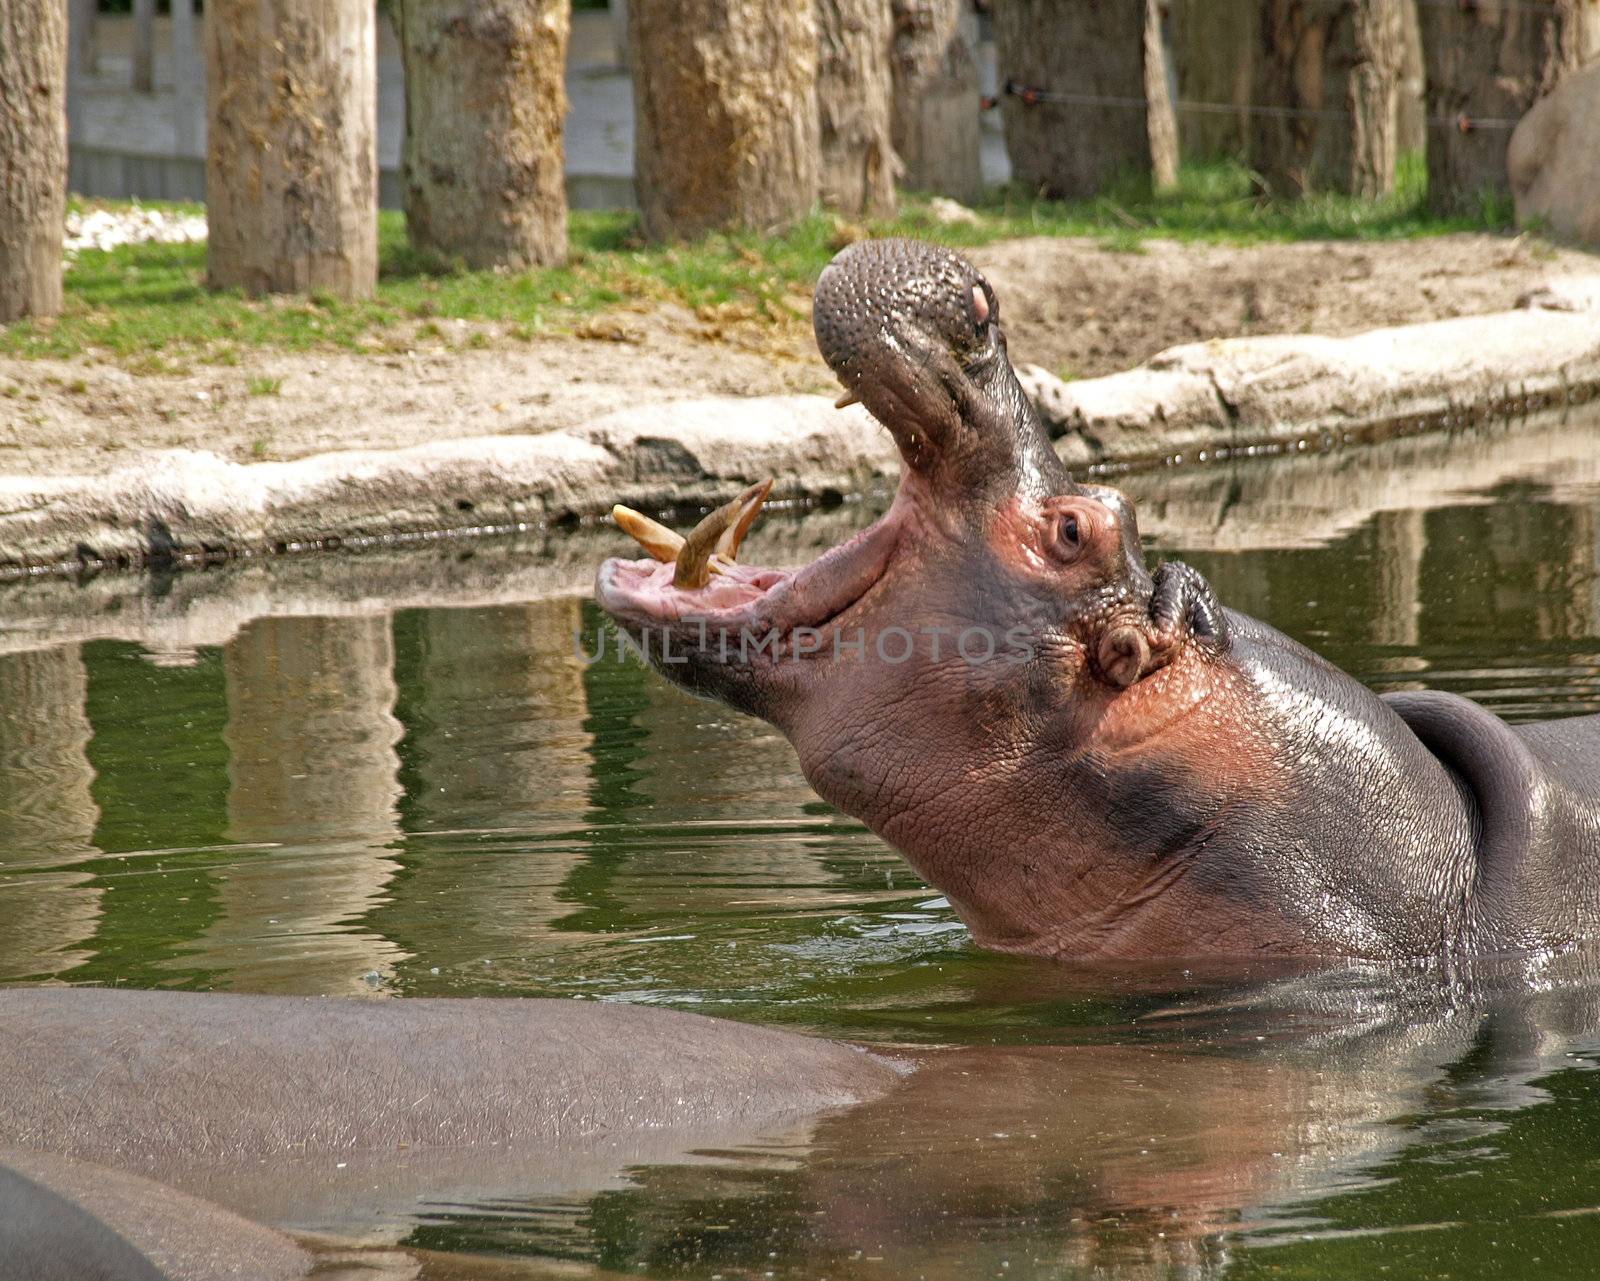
x=1071 y=306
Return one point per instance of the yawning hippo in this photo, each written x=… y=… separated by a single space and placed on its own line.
x=1088 y=759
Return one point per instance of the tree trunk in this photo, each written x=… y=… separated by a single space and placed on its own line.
x=1332 y=73
x=934 y=103
x=1213 y=54
x=858 y=164
x=33 y=156
x=483 y=173
x=1085 y=50
x=1411 y=127
x=1163 y=125
x=291 y=155
x=1486 y=65
x=725 y=113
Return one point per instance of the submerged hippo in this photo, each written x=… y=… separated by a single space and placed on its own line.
x=1088 y=759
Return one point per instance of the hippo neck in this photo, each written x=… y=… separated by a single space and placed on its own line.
x=1276 y=807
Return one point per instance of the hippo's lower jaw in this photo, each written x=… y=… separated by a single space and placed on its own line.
x=746 y=614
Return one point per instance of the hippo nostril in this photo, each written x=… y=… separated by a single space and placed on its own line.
x=1123 y=655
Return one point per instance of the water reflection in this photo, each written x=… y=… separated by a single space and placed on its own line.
x=497 y=771
x=312 y=769
x=327 y=795
x=47 y=814
x=1176 y=1145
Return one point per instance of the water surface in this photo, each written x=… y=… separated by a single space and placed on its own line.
x=388 y=779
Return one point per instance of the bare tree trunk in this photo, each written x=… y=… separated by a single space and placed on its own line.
x=33 y=156
x=144 y=46
x=1088 y=49
x=1487 y=64
x=1374 y=96
x=1331 y=72
x=291 y=154
x=1411 y=124
x=853 y=93
x=725 y=113
x=1163 y=125
x=483 y=173
x=1213 y=54
x=934 y=103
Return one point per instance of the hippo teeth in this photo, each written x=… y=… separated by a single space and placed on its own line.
x=662 y=543
x=846 y=400
x=711 y=543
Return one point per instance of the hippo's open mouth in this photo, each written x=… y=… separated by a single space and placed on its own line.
x=694 y=582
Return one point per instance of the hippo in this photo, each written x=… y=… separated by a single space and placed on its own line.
x=1092 y=760
x=67 y=1220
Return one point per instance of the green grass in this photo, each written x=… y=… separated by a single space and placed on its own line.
x=147 y=306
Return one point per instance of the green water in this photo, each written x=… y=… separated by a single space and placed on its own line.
x=380 y=799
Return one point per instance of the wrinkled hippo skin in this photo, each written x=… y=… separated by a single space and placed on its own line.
x=1133 y=771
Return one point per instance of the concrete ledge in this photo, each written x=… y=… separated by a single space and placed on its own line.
x=174 y=506
x=1278 y=391
x=1188 y=404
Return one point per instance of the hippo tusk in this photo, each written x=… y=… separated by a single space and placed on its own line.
x=846 y=400
x=750 y=502
x=662 y=543
x=720 y=534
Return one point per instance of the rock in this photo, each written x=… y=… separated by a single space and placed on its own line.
x=1554 y=160
x=945 y=210
x=1276 y=391
x=1574 y=293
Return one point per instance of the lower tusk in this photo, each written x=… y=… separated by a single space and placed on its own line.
x=846 y=400
x=662 y=543
x=719 y=533
x=729 y=541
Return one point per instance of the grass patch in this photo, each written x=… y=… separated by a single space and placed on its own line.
x=147 y=306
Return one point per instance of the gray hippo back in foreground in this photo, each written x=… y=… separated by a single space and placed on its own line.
x=138 y=1078
x=1091 y=760
x=281 y=1107
x=67 y=1220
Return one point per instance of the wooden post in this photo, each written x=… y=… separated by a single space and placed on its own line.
x=1091 y=122
x=725 y=114
x=33 y=156
x=291 y=146
x=144 y=46
x=1213 y=51
x=1161 y=123
x=934 y=104
x=853 y=96
x=482 y=169
x=1333 y=70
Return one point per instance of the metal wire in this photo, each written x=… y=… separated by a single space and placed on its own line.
x=1032 y=96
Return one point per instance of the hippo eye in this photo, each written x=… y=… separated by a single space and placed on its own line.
x=1067 y=537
